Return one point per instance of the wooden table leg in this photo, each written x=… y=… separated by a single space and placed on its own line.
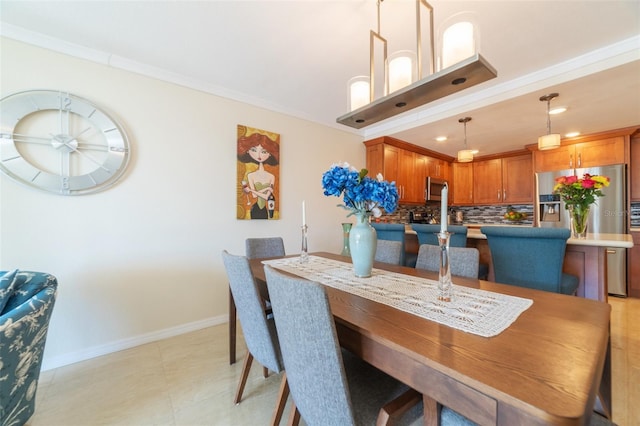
x=604 y=392
x=232 y=329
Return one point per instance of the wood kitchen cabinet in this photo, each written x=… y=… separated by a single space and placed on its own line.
x=406 y=164
x=507 y=180
x=438 y=168
x=595 y=153
x=462 y=187
x=633 y=266
x=634 y=169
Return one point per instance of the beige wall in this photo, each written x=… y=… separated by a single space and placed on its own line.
x=141 y=260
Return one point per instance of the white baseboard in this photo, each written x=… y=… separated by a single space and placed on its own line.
x=83 y=355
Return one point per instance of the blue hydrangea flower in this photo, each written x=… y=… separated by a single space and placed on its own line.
x=360 y=193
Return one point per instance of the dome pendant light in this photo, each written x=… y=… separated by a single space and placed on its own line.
x=465 y=155
x=550 y=140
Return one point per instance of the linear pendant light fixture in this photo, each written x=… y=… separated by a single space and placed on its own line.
x=550 y=140
x=464 y=74
x=465 y=155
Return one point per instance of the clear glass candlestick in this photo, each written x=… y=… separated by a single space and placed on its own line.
x=304 y=252
x=445 y=287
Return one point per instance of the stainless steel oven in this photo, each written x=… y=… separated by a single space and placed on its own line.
x=434 y=188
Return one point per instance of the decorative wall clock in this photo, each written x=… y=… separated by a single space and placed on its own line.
x=60 y=143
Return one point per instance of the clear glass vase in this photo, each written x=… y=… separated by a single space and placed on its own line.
x=579 y=219
x=445 y=286
x=346 y=228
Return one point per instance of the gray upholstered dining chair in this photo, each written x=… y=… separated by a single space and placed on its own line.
x=259 y=331
x=464 y=260
x=388 y=251
x=395 y=232
x=530 y=257
x=260 y=248
x=427 y=235
x=329 y=385
x=255 y=248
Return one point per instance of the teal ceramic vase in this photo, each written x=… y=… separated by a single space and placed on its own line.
x=362 y=243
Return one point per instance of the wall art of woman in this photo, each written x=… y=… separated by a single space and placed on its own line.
x=260 y=156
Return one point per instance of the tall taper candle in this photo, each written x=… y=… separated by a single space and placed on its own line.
x=443 y=208
x=304 y=216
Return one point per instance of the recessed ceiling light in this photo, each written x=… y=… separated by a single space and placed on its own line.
x=441 y=138
x=475 y=151
x=572 y=134
x=557 y=110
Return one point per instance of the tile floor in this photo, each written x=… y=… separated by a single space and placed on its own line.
x=187 y=381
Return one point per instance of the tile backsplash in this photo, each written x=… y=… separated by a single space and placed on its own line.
x=471 y=214
x=635 y=215
x=486 y=214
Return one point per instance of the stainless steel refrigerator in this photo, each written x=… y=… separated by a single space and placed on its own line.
x=607 y=215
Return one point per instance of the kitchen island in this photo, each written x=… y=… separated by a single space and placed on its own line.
x=584 y=258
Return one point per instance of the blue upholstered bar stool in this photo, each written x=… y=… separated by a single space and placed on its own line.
x=427 y=235
x=530 y=257
x=395 y=232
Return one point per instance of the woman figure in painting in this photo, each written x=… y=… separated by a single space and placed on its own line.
x=259 y=149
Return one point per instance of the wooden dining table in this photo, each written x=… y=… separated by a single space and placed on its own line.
x=549 y=367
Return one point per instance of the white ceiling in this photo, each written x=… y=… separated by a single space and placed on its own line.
x=297 y=56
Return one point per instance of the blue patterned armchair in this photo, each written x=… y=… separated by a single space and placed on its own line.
x=26 y=303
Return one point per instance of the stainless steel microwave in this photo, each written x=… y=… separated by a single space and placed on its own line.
x=434 y=188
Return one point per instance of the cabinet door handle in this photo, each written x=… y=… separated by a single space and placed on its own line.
x=580 y=160
x=498 y=194
x=571 y=161
x=610 y=251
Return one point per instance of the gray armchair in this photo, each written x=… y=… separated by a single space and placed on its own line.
x=26 y=302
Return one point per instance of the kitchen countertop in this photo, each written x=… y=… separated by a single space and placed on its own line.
x=594 y=240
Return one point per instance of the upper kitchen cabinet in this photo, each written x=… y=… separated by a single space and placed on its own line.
x=406 y=164
x=506 y=180
x=634 y=168
x=438 y=168
x=462 y=187
x=602 y=149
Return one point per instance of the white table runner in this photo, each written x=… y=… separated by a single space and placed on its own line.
x=472 y=310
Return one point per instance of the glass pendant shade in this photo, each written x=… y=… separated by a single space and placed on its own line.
x=401 y=70
x=458 y=43
x=359 y=92
x=550 y=141
x=465 y=156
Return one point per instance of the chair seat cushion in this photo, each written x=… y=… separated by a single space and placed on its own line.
x=569 y=284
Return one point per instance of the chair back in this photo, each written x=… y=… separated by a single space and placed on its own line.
x=392 y=232
x=27 y=299
x=427 y=234
x=388 y=252
x=528 y=257
x=464 y=261
x=310 y=349
x=259 y=332
x=259 y=248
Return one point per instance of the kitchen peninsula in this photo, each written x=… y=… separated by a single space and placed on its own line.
x=584 y=258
